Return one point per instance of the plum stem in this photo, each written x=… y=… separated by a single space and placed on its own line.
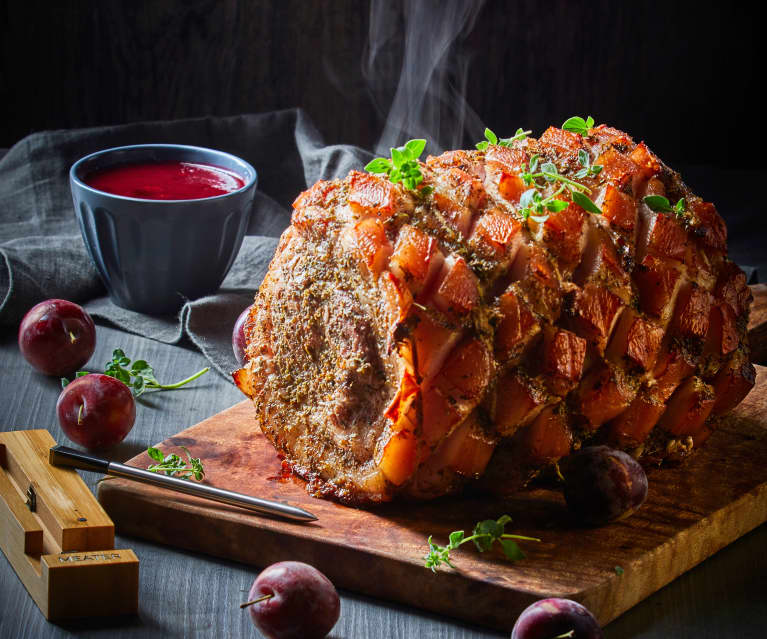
x=255 y=601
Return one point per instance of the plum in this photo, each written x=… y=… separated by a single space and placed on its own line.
x=552 y=618
x=296 y=602
x=96 y=411
x=603 y=485
x=238 y=338
x=57 y=337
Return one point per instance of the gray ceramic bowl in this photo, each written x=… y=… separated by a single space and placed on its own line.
x=155 y=254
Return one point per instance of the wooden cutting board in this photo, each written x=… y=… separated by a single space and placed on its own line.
x=692 y=511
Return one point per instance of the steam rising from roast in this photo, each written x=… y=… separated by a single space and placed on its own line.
x=421 y=41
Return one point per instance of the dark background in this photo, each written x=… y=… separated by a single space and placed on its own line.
x=683 y=76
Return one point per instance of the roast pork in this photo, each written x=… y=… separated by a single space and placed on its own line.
x=411 y=342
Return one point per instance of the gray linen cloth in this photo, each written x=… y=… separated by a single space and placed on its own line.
x=43 y=255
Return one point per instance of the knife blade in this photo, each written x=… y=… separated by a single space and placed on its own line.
x=66 y=456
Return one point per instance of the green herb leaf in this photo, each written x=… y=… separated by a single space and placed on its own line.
x=512 y=550
x=619 y=570
x=490 y=138
x=456 y=538
x=577 y=124
x=485 y=533
x=415 y=147
x=173 y=465
x=550 y=172
x=526 y=199
x=398 y=158
x=557 y=205
x=379 y=165
x=425 y=192
x=585 y=203
x=658 y=203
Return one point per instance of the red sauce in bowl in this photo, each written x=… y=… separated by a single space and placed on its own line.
x=166 y=181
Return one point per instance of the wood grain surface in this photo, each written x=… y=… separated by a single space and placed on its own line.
x=62 y=547
x=686 y=518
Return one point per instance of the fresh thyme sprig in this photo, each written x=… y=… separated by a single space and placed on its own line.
x=484 y=536
x=492 y=138
x=174 y=465
x=403 y=166
x=139 y=377
x=660 y=203
x=577 y=124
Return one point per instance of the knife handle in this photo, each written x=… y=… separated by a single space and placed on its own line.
x=66 y=456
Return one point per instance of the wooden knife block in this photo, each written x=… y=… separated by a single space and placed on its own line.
x=57 y=536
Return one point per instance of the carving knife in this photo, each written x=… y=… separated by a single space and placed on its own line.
x=66 y=456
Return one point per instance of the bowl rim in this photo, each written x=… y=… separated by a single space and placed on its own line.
x=74 y=179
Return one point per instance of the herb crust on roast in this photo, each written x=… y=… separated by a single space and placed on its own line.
x=409 y=342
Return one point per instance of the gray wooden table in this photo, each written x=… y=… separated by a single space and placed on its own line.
x=187 y=595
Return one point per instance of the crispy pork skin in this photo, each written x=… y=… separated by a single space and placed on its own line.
x=413 y=342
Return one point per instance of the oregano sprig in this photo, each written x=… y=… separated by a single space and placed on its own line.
x=403 y=165
x=174 y=465
x=550 y=173
x=138 y=376
x=577 y=124
x=492 y=138
x=528 y=177
x=485 y=534
x=533 y=204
